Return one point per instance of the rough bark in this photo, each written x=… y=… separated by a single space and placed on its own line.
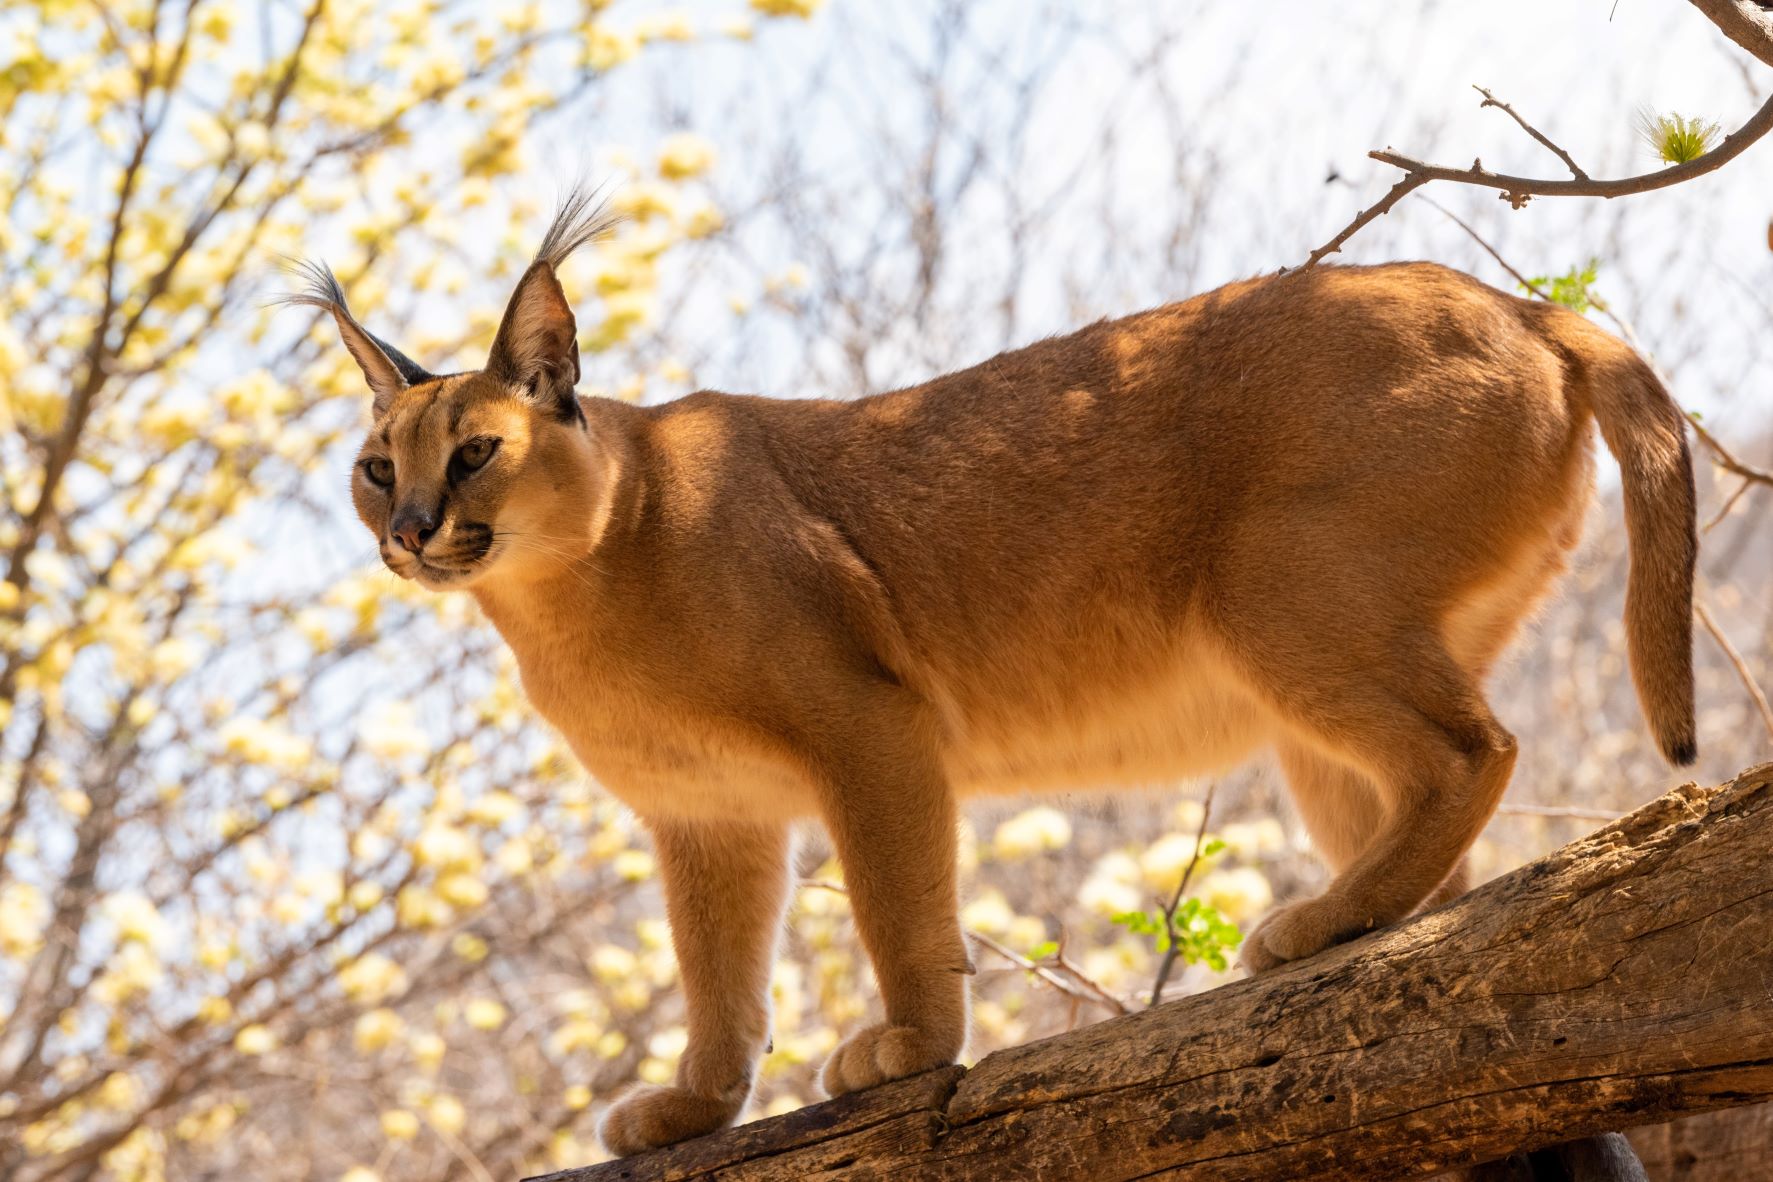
x=1745 y=22
x=1621 y=981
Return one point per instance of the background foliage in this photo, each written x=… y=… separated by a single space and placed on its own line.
x=290 y=885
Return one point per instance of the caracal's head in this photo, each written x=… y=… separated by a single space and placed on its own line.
x=492 y=473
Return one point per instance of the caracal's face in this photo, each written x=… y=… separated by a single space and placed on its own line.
x=463 y=478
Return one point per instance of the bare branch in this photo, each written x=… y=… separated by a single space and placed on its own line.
x=1082 y=988
x=1736 y=661
x=1726 y=459
x=1491 y=100
x=1410 y=183
x=1170 y=952
x=1745 y=22
x=1490 y=250
x=1517 y=190
x=1574 y=812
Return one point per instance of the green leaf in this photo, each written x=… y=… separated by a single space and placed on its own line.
x=1043 y=950
x=1573 y=289
x=1140 y=922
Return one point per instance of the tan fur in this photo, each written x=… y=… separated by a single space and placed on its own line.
x=1303 y=512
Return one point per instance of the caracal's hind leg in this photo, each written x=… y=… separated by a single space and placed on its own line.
x=1343 y=812
x=1341 y=808
x=1407 y=715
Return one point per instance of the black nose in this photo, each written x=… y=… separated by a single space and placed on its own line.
x=413 y=527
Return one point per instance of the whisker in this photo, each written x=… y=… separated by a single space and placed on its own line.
x=527 y=543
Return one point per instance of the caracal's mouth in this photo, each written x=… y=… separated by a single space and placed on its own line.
x=434 y=575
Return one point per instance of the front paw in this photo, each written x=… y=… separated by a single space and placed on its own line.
x=882 y=1052
x=1297 y=931
x=649 y=1116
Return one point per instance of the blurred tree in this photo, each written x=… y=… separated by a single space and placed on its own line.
x=259 y=869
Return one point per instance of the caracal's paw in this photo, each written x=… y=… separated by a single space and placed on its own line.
x=650 y=1116
x=1297 y=931
x=882 y=1052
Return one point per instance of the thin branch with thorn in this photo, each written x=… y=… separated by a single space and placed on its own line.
x=1736 y=661
x=1491 y=100
x=1517 y=190
x=1066 y=977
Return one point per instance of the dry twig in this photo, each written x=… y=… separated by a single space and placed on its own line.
x=1517 y=190
x=1063 y=975
x=1736 y=661
x=1491 y=100
x=1168 y=963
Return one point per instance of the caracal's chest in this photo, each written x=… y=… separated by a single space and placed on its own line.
x=659 y=754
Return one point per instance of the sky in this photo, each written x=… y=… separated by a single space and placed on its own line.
x=1268 y=108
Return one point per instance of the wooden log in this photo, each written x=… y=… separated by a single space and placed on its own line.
x=1727 y=1145
x=1620 y=981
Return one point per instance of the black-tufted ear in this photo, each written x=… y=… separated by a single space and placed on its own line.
x=537 y=346
x=387 y=370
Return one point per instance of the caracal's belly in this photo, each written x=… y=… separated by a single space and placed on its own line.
x=1189 y=722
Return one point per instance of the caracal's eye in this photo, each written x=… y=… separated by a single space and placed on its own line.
x=380 y=471
x=476 y=452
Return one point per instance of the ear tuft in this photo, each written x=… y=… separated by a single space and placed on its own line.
x=386 y=368
x=537 y=345
x=582 y=217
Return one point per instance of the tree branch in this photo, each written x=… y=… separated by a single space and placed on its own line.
x=1491 y=100
x=1747 y=23
x=1616 y=982
x=1736 y=662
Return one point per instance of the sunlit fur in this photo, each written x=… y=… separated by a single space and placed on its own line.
x=1303 y=513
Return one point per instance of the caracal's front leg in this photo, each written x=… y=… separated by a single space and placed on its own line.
x=892 y=819
x=726 y=885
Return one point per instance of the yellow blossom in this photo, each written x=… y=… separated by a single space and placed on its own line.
x=365 y=894
x=376 y=1029
x=24 y=913
x=428 y=1049
x=800 y=8
x=605 y=48
x=462 y=890
x=399 y=1125
x=372 y=977
x=1241 y=893
x=633 y=865
x=685 y=155
x=447 y=1114
x=1037 y=830
x=612 y=962
x=255 y=1040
